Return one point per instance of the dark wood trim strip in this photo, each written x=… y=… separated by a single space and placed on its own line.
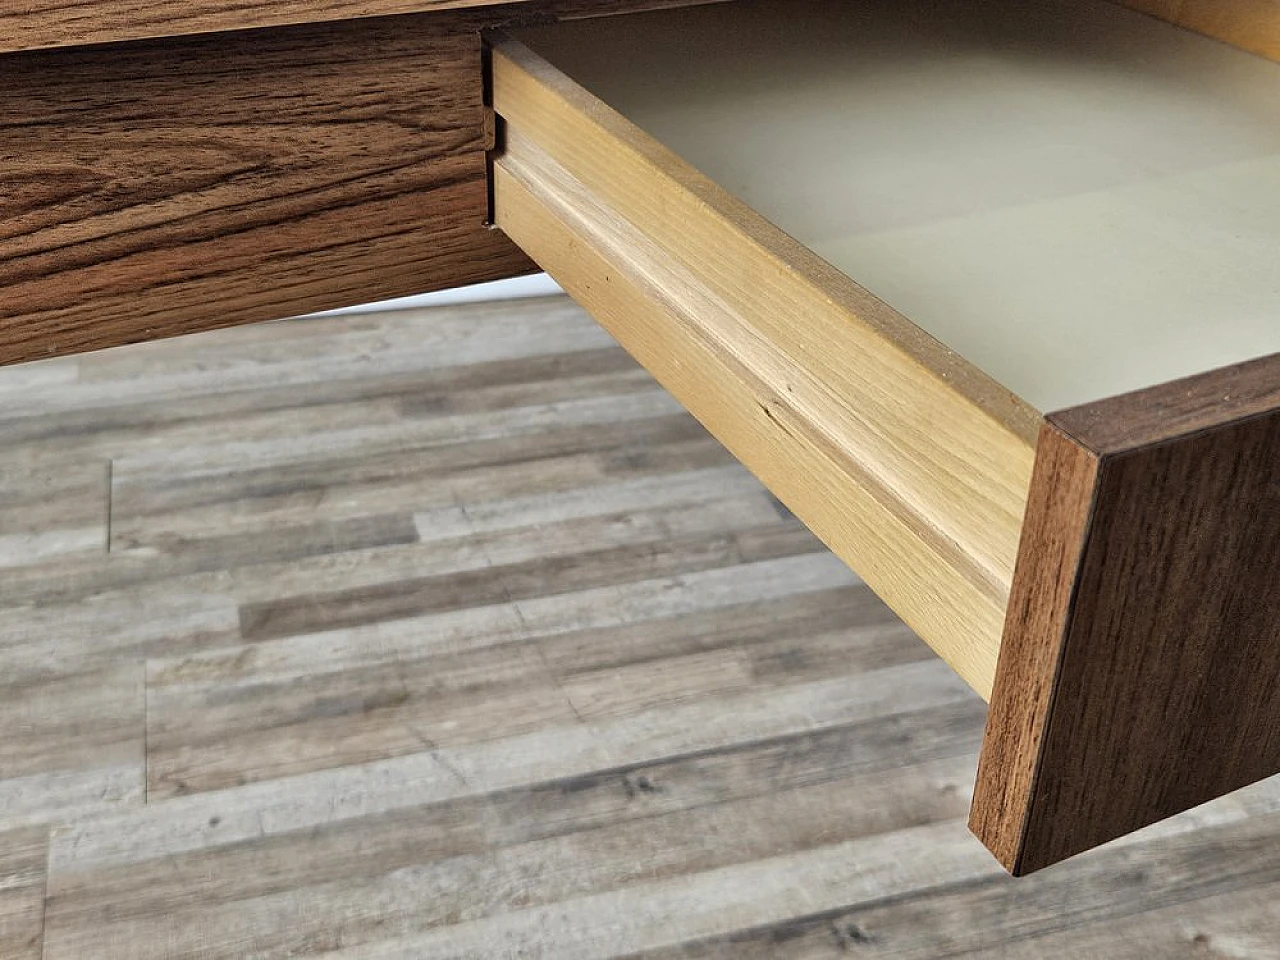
x=1053 y=539
x=1140 y=669
x=45 y=24
x=1176 y=411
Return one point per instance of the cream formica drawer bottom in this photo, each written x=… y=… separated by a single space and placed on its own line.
x=988 y=293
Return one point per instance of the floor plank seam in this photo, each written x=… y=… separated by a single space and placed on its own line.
x=44 y=897
x=146 y=736
x=527 y=635
x=111 y=466
x=433 y=750
x=551 y=673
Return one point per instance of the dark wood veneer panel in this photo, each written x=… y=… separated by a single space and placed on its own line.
x=168 y=186
x=165 y=187
x=41 y=24
x=1140 y=672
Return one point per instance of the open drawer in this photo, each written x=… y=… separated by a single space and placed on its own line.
x=872 y=246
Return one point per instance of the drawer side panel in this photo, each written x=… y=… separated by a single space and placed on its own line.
x=906 y=469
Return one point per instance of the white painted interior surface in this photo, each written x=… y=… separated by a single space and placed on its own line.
x=1079 y=199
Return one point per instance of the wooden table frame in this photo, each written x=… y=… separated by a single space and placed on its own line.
x=169 y=170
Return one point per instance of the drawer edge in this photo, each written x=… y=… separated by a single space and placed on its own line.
x=915 y=473
x=1139 y=674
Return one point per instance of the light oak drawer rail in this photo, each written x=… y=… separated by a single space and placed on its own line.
x=1106 y=576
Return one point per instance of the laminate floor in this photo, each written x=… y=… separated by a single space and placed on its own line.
x=446 y=634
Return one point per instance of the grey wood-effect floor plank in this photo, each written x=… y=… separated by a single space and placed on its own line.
x=275 y=543
x=650 y=609
x=418 y=481
x=326 y=798
x=663 y=911
x=354 y=344
x=295 y=727
x=443 y=634
x=600 y=798
x=1113 y=889
x=536 y=857
x=527 y=579
x=253 y=730
x=425 y=484
x=287 y=558
x=261 y=439
x=24 y=855
x=458 y=627
x=812 y=782
x=1241 y=924
x=42 y=377
x=61 y=722
x=50 y=512
x=106 y=632
x=327 y=350
x=229 y=456
x=418 y=392
x=72 y=741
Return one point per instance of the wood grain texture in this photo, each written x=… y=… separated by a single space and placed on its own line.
x=1252 y=25
x=751 y=760
x=1057 y=522
x=158 y=188
x=23 y=857
x=62 y=23
x=1191 y=894
x=47 y=513
x=756 y=336
x=1139 y=674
